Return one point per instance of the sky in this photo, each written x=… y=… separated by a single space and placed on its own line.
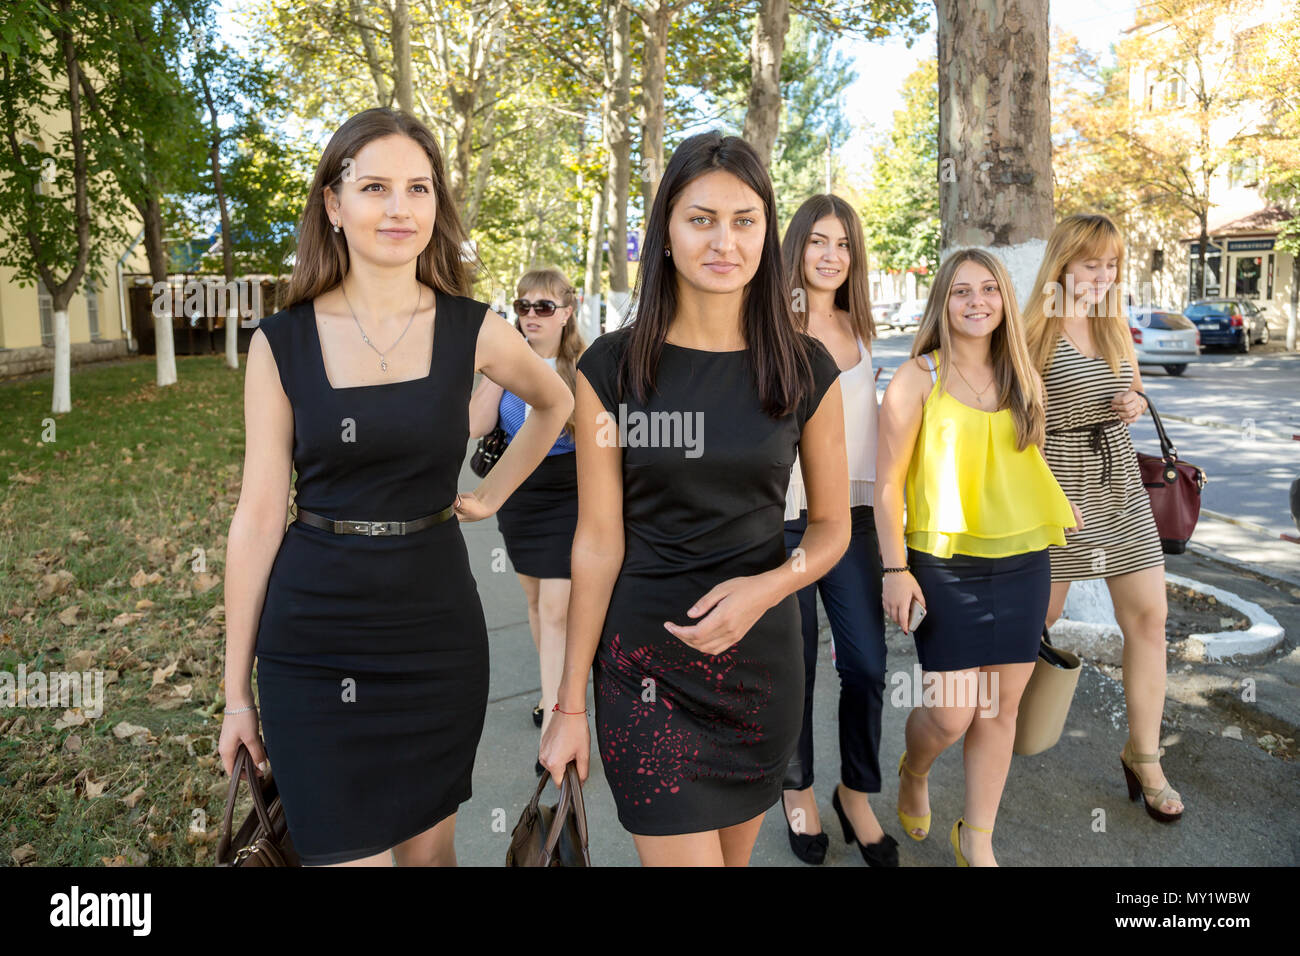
x=871 y=101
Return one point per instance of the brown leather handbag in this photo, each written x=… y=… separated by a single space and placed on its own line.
x=1174 y=488
x=552 y=836
x=263 y=839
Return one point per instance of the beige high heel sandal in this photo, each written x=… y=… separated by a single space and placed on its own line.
x=1139 y=791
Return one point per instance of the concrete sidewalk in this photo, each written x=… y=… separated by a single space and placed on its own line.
x=1243 y=805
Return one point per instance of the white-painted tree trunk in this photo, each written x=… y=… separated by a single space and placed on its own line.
x=232 y=331
x=164 y=349
x=1022 y=262
x=62 y=399
x=589 y=318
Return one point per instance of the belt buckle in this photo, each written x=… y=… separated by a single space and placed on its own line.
x=356 y=527
x=382 y=527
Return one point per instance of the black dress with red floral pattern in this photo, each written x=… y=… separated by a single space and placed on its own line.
x=691 y=741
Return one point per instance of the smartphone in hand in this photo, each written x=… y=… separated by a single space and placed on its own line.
x=917 y=613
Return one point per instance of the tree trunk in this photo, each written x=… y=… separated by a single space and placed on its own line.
x=654 y=28
x=763 y=117
x=383 y=94
x=401 y=40
x=156 y=253
x=618 y=134
x=591 y=281
x=995 y=152
x=1202 y=253
x=470 y=211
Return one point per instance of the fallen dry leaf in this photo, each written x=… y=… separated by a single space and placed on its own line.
x=73 y=744
x=160 y=674
x=206 y=582
x=23 y=855
x=134 y=797
x=95 y=789
x=124 y=730
x=68 y=616
x=73 y=717
x=80 y=660
x=54 y=584
x=126 y=617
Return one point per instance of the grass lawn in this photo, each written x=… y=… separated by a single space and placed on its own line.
x=112 y=554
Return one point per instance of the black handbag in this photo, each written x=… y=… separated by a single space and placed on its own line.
x=552 y=836
x=490 y=448
x=263 y=839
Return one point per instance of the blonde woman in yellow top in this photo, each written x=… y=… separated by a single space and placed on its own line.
x=961 y=429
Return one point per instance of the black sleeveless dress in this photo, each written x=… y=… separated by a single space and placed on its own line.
x=372 y=654
x=690 y=741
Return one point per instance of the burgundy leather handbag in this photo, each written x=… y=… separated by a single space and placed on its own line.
x=1174 y=488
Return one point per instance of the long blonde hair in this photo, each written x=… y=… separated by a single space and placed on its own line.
x=572 y=344
x=1017 y=387
x=1076 y=237
x=322 y=258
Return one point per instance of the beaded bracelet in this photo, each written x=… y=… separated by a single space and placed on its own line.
x=895 y=570
x=240 y=710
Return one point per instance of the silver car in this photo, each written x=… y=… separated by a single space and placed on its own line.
x=1162 y=337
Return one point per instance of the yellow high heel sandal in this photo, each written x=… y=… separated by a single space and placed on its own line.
x=955 y=838
x=911 y=823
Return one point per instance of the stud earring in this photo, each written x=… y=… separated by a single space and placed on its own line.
x=668 y=252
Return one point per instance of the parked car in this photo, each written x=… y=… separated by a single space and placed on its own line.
x=882 y=313
x=908 y=315
x=1234 y=322
x=1165 y=338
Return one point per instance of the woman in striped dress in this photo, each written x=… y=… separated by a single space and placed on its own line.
x=1080 y=342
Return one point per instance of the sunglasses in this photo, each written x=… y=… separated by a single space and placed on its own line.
x=544 y=308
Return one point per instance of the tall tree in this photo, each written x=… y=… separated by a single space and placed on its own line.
x=995 y=159
x=151 y=117
x=900 y=214
x=47 y=191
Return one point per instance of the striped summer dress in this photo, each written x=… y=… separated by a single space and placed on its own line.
x=1091 y=454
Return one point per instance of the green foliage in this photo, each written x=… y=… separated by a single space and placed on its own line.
x=901 y=213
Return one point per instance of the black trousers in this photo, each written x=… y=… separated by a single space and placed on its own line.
x=851 y=593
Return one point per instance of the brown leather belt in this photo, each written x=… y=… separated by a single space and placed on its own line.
x=384 y=528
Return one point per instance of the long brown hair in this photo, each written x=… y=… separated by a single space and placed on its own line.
x=572 y=345
x=1017 y=387
x=852 y=295
x=322 y=258
x=780 y=365
x=1077 y=237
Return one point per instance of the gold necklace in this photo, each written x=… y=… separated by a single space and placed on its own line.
x=979 y=394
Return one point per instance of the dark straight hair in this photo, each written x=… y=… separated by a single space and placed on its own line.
x=775 y=353
x=852 y=295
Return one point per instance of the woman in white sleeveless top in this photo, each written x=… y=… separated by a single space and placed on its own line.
x=825 y=259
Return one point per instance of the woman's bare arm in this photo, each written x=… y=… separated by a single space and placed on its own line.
x=825 y=467
x=505 y=357
x=260 y=516
x=484 y=406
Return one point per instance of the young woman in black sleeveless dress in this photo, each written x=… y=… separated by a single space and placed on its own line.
x=687 y=426
x=363 y=615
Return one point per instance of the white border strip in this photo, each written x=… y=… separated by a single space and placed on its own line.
x=1263 y=635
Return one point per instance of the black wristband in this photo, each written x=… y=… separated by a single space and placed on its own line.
x=895 y=570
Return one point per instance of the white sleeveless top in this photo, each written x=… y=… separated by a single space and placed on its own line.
x=861 y=411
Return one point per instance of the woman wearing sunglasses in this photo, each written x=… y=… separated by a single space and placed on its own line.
x=538 y=520
x=688 y=422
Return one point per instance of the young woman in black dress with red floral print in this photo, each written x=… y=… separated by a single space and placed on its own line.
x=683 y=599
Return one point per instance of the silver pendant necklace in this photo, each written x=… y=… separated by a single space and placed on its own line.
x=383 y=362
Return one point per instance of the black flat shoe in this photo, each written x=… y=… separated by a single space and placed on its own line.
x=537 y=716
x=539 y=768
x=809 y=847
x=884 y=852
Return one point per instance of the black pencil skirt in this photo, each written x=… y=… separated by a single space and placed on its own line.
x=538 y=520
x=980 y=611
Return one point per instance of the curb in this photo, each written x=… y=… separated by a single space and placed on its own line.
x=1233 y=564
x=1262 y=636
x=1216 y=423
